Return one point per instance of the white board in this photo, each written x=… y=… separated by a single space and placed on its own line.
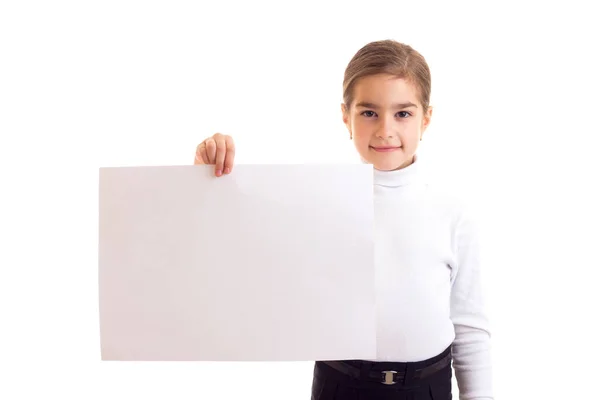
x=270 y=263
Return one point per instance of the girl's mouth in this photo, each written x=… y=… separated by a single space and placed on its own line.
x=385 y=149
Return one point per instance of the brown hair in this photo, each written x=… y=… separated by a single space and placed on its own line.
x=388 y=57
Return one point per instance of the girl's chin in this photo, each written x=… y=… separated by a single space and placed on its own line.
x=387 y=166
x=385 y=163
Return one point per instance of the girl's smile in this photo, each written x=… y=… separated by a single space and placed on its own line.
x=385 y=149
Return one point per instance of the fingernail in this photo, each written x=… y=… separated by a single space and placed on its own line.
x=218 y=172
x=227 y=170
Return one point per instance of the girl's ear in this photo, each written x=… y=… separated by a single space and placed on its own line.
x=426 y=118
x=346 y=118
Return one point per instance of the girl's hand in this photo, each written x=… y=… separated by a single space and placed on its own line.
x=217 y=150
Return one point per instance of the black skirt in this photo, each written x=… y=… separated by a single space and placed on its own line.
x=365 y=380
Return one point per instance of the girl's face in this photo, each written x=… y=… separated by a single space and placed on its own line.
x=386 y=121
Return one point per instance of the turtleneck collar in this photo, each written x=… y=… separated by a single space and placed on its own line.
x=400 y=177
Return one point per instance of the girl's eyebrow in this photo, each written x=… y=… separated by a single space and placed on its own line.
x=375 y=106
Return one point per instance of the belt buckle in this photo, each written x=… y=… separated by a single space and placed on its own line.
x=389 y=377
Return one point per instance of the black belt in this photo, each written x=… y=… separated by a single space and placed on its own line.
x=390 y=377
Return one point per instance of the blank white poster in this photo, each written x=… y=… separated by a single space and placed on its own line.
x=269 y=263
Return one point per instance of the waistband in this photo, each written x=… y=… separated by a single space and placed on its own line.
x=391 y=373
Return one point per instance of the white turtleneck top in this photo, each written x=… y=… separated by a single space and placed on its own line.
x=428 y=279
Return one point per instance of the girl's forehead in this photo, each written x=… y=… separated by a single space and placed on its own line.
x=384 y=87
x=389 y=81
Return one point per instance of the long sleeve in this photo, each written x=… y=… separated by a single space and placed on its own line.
x=471 y=347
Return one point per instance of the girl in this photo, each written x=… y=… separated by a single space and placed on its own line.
x=429 y=303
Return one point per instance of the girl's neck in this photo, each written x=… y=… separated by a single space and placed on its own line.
x=399 y=177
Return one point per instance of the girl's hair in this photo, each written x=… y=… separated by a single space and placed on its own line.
x=388 y=57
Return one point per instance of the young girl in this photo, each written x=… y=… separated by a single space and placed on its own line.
x=429 y=302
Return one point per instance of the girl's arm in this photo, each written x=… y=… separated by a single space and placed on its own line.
x=471 y=347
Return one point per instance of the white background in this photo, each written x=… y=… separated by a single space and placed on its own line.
x=113 y=83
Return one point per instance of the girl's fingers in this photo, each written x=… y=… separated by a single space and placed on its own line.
x=229 y=155
x=220 y=155
x=211 y=150
x=204 y=155
x=219 y=151
x=201 y=157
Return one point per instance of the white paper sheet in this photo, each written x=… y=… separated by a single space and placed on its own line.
x=272 y=262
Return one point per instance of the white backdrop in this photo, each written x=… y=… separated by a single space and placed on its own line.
x=118 y=83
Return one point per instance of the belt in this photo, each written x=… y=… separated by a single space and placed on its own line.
x=390 y=377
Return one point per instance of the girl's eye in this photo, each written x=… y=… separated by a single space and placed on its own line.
x=404 y=114
x=368 y=114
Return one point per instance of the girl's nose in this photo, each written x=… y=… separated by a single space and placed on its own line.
x=385 y=129
x=385 y=135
